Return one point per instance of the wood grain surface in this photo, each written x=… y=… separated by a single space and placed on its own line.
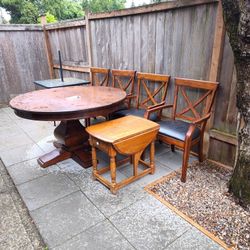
x=71 y=102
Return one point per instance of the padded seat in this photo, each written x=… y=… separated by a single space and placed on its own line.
x=177 y=129
x=133 y=111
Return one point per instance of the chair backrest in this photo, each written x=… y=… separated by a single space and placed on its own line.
x=194 y=109
x=151 y=89
x=123 y=79
x=99 y=76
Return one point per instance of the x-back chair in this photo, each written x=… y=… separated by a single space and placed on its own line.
x=125 y=80
x=99 y=76
x=187 y=126
x=150 y=97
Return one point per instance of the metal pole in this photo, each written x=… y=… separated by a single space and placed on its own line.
x=60 y=62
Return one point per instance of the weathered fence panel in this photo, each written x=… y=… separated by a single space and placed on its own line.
x=71 y=39
x=177 y=42
x=22 y=59
x=72 y=44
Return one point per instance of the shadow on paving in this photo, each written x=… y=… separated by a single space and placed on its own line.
x=17 y=230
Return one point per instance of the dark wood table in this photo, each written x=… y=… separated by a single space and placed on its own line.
x=68 y=105
x=57 y=83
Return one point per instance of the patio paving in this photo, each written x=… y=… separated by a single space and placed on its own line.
x=71 y=211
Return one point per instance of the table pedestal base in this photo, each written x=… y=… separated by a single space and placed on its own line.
x=72 y=142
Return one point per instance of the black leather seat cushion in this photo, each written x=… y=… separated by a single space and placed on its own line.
x=133 y=111
x=176 y=129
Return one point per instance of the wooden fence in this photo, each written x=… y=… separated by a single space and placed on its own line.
x=22 y=59
x=181 y=38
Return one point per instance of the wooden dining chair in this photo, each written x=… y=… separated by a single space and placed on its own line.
x=150 y=97
x=189 y=117
x=125 y=80
x=99 y=76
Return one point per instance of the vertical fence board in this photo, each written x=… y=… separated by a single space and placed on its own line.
x=23 y=60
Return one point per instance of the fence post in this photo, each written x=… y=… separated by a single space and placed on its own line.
x=89 y=44
x=49 y=53
x=218 y=45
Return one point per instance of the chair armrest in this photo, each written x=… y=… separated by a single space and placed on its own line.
x=130 y=96
x=204 y=118
x=159 y=106
x=156 y=108
x=128 y=99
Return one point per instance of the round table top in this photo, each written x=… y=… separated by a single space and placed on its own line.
x=68 y=103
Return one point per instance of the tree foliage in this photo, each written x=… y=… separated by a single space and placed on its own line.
x=28 y=11
x=102 y=5
x=49 y=18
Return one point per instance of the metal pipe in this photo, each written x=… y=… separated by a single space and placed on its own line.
x=60 y=62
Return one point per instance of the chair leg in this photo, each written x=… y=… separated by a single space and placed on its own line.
x=112 y=156
x=172 y=148
x=87 y=122
x=185 y=159
x=201 y=156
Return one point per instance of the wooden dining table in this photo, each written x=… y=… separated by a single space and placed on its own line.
x=68 y=105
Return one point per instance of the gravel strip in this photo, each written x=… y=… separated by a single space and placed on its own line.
x=205 y=199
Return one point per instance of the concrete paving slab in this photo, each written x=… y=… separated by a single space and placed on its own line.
x=101 y=196
x=46 y=143
x=194 y=239
x=102 y=236
x=160 y=171
x=19 y=154
x=32 y=126
x=38 y=134
x=71 y=168
x=10 y=112
x=5 y=120
x=46 y=189
x=173 y=160
x=65 y=218
x=148 y=224
x=36 y=130
x=103 y=156
x=29 y=170
x=159 y=149
x=12 y=137
x=11 y=130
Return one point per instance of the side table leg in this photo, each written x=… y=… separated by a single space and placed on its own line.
x=94 y=162
x=112 y=155
x=152 y=157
